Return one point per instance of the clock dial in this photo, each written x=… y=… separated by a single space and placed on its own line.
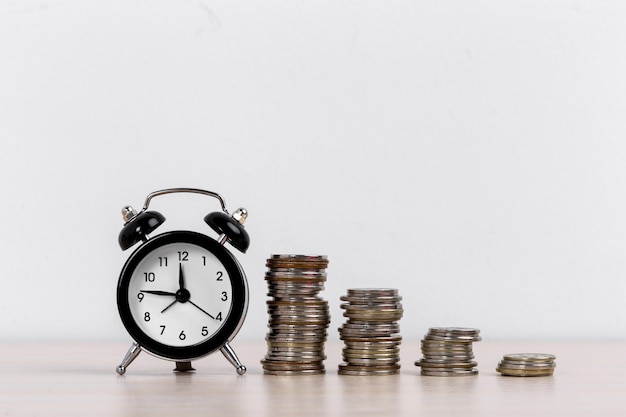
x=180 y=294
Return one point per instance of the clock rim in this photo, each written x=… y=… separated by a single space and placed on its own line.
x=233 y=321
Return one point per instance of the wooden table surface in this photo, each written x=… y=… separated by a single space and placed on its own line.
x=79 y=379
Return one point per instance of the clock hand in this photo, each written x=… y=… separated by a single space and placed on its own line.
x=199 y=308
x=156 y=292
x=173 y=302
x=181 y=277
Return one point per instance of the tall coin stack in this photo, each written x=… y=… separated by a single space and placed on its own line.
x=371 y=334
x=447 y=351
x=298 y=317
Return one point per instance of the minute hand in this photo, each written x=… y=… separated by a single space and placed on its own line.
x=200 y=308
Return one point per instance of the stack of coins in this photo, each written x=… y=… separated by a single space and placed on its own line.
x=447 y=351
x=371 y=334
x=298 y=317
x=527 y=364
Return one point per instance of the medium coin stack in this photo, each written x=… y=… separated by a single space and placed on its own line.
x=447 y=351
x=371 y=334
x=527 y=364
x=298 y=317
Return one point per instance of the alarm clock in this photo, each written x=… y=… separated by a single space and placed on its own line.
x=182 y=295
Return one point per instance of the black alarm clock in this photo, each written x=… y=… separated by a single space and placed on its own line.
x=182 y=295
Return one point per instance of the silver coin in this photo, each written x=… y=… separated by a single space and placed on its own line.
x=369 y=301
x=434 y=345
x=296 y=334
x=288 y=294
x=296 y=358
x=440 y=359
x=373 y=317
x=295 y=373
x=365 y=368
x=505 y=365
x=349 y=369
x=530 y=357
x=286 y=357
x=369 y=372
x=366 y=310
x=451 y=353
x=290 y=365
x=295 y=286
x=374 y=326
x=299 y=319
x=295 y=279
x=355 y=353
x=298 y=350
x=368 y=322
x=297 y=257
x=371 y=307
x=273 y=341
x=370 y=360
x=372 y=350
x=296 y=342
x=448 y=373
x=289 y=307
x=316 y=302
x=296 y=368
x=378 y=339
x=287 y=311
x=454 y=330
x=425 y=364
x=306 y=299
x=455 y=339
x=372 y=292
x=359 y=333
x=370 y=345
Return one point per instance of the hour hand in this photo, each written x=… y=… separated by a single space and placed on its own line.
x=157 y=292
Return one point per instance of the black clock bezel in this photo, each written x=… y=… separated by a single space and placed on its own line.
x=232 y=321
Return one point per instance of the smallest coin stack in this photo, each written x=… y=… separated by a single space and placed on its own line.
x=527 y=364
x=447 y=351
x=371 y=334
x=298 y=317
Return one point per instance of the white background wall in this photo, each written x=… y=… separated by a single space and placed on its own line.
x=469 y=153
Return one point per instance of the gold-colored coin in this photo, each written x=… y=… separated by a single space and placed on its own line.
x=525 y=372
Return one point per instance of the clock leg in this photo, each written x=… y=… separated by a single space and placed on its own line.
x=184 y=367
x=132 y=353
x=230 y=354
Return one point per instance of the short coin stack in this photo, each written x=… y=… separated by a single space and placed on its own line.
x=447 y=351
x=298 y=317
x=371 y=334
x=527 y=364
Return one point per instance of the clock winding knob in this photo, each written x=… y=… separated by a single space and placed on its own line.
x=241 y=215
x=128 y=213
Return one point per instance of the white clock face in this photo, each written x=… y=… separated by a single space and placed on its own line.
x=180 y=294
